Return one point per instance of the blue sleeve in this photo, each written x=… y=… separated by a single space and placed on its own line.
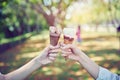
x=105 y=74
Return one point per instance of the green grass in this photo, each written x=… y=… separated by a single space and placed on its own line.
x=100 y=47
x=4 y=40
x=27 y=35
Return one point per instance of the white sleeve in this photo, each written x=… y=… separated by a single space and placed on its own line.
x=105 y=74
x=2 y=77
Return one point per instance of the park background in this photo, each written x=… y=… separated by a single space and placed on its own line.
x=24 y=32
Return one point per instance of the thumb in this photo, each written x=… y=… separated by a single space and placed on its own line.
x=67 y=46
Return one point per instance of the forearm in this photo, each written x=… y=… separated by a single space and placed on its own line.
x=89 y=65
x=23 y=71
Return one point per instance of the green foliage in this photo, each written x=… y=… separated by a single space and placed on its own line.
x=19 y=12
x=97 y=12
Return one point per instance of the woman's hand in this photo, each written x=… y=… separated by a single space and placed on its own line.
x=70 y=51
x=48 y=55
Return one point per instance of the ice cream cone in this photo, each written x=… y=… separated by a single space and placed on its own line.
x=69 y=34
x=54 y=35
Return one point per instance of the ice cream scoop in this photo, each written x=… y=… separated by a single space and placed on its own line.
x=69 y=34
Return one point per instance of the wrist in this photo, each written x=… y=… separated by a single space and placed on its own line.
x=81 y=57
x=78 y=60
x=38 y=62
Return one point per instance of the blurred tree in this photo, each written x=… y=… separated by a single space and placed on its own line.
x=2 y=16
x=97 y=12
x=19 y=18
x=91 y=12
x=54 y=11
x=114 y=12
x=23 y=16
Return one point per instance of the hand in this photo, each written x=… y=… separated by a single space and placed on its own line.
x=48 y=55
x=70 y=51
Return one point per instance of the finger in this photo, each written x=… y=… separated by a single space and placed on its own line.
x=52 y=58
x=54 y=47
x=52 y=55
x=54 y=51
x=50 y=61
x=66 y=52
x=71 y=57
x=67 y=46
x=62 y=44
x=64 y=55
x=57 y=46
x=51 y=47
